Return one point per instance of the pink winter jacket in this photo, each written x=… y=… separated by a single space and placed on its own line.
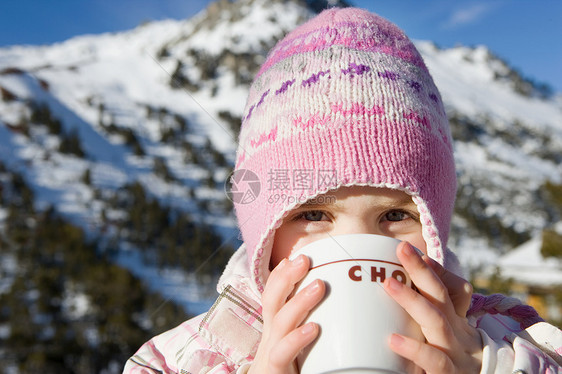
x=225 y=339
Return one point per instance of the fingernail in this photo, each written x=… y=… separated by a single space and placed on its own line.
x=308 y=329
x=407 y=249
x=396 y=340
x=394 y=285
x=312 y=288
x=410 y=250
x=298 y=261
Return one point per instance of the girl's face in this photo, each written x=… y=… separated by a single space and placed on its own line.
x=349 y=210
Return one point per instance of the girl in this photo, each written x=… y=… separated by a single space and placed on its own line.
x=346 y=127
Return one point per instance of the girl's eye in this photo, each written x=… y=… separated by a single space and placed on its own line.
x=395 y=216
x=312 y=215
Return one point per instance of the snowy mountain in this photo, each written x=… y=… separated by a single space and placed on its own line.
x=161 y=104
x=109 y=128
x=508 y=145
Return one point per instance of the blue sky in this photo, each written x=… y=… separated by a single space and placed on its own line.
x=526 y=33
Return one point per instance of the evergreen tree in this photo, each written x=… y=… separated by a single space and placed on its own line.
x=70 y=144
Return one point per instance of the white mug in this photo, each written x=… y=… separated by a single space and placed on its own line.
x=357 y=316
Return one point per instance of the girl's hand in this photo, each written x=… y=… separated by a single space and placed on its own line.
x=283 y=336
x=452 y=345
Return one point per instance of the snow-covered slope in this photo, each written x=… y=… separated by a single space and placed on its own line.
x=161 y=104
x=508 y=143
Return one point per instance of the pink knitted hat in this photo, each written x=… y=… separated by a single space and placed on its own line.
x=344 y=99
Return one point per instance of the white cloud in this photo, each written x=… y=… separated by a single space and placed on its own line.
x=469 y=14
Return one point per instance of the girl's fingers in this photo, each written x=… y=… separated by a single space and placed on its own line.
x=433 y=322
x=429 y=358
x=428 y=283
x=290 y=346
x=284 y=315
x=460 y=290
x=282 y=337
x=281 y=284
x=298 y=307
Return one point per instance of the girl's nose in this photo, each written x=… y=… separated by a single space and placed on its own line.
x=358 y=226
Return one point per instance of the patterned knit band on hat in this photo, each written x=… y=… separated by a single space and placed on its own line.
x=344 y=99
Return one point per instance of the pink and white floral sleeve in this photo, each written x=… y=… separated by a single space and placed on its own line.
x=510 y=350
x=223 y=340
